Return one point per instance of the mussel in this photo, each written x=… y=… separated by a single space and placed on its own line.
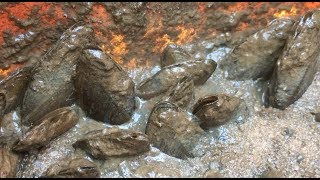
x=8 y=163
x=257 y=56
x=52 y=84
x=113 y=142
x=298 y=63
x=13 y=87
x=182 y=94
x=104 y=89
x=174 y=54
x=169 y=76
x=215 y=110
x=52 y=125
x=73 y=168
x=173 y=130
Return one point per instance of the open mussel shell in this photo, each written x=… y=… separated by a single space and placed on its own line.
x=215 y=110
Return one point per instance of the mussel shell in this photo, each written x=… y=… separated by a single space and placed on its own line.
x=257 y=56
x=113 y=142
x=13 y=87
x=169 y=76
x=73 y=168
x=104 y=90
x=173 y=130
x=8 y=163
x=52 y=85
x=173 y=54
x=52 y=125
x=182 y=94
x=215 y=110
x=298 y=63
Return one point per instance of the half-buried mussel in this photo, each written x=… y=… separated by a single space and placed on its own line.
x=257 y=56
x=215 y=110
x=173 y=54
x=298 y=63
x=8 y=163
x=52 y=125
x=182 y=94
x=104 y=89
x=52 y=85
x=172 y=130
x=169 y=76
x=73 y=168
x=113 y=142
x=13 y=87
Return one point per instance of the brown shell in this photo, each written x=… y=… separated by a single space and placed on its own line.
x=215 y=110
x=52 y=84
x=8 y=163
x=52 y=125
x=199 y=70
x=182 y=94
x=257 y=56
x=298 y=63
x=173 y=54
x=104 y=89
x=113 y=142
x=73 y=168
x=172 y=130
x=13 y=87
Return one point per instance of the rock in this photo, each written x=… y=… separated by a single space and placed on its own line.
x=73 y=168
x=215 y=110
x=298 y=63
x=162 y=81
x=104 y=89
x=8 y=163
x=52 y=86
x=172 y=130
x=113 y=142
x=173 y=54
x=52 y=125
x=257 y=56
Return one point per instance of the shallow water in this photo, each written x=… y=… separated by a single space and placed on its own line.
x=258 y=140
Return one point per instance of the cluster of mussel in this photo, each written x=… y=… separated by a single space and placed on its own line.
x=76 y=70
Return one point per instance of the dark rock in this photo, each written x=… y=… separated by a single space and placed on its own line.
x=113 y=142
x=298 y=63
x=104 y=89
